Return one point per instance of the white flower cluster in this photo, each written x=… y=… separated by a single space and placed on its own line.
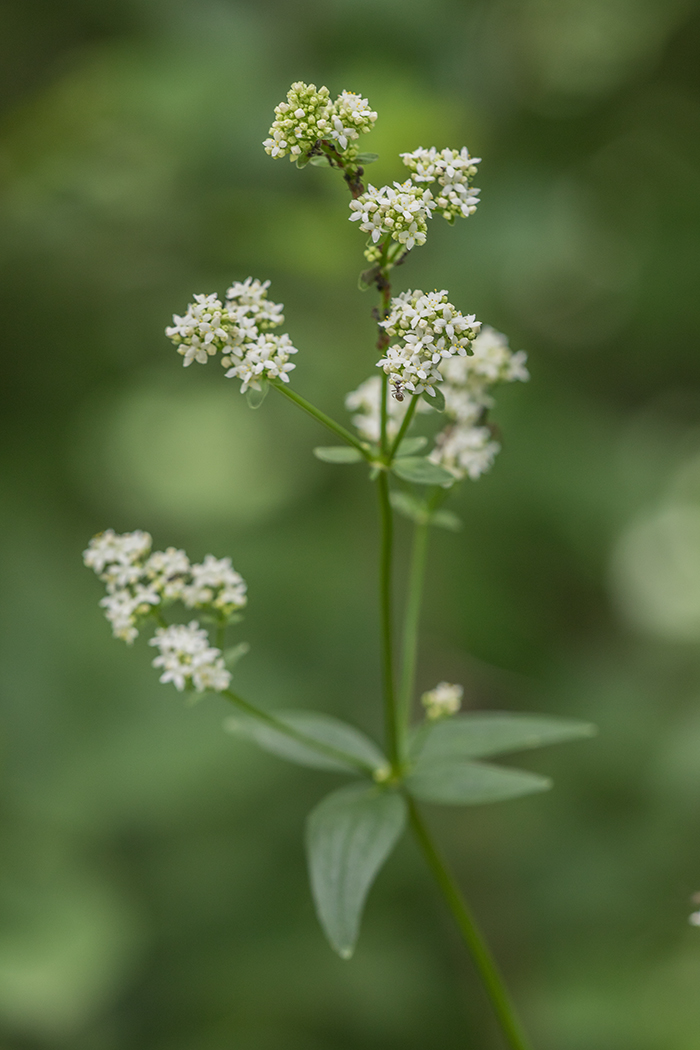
x=401 y=211
x=465 y=451
x=366 y=401
x=187 y=658
x=453 y=170
x=240 y=329
x=138 y=582
x=442 y=701
x=308 y=117
x=430 y=329
x=466 y=447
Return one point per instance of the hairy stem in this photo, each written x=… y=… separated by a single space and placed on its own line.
x=386 y=618
x=321 y=417
x=295 y=734
x=481 y=953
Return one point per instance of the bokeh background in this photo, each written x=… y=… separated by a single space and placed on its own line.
x=152 y=888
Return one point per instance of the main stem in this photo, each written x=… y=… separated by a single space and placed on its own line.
x=473 y=938
x=409 y=652
x=386 y=617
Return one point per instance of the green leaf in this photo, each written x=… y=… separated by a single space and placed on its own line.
x=410 y=445
x=234 y=654
x=303 y=160
x=452 y=782
x=338 y=454
x=255 y=398
x=349 y=835
x=324 y=728
x=408 y=506
x=367 y=158
x=478 y=735
x=421 y=471
x=446 y=519
x=320 y=161
x=437 y=401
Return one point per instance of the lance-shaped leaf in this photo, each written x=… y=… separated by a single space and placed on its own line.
x=478 y=735
x=326 y=730
x=349 y=835
x=367 y=158
x=338 y=454
x=421 y=471
x=453 y=782
x=410 y=445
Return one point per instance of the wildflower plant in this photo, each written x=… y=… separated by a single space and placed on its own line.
x=436 y=361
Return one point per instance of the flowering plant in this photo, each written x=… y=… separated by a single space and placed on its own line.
x=434 y=362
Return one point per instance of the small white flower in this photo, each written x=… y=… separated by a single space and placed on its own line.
x=204 y=330
x=266 y=358
x=248 y=306
x=694 y=918
x=186 y=657
x=466 y=451
x=442 y=701
x=429 y=329
x=168 y=571
x=123 y=609
x=454 y=171
x=109 y=547
x=401 y=211
x=215 y=583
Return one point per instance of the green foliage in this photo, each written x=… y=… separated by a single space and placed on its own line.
x=421 y=471
x=338 y=454
x=435 y=400
x=453 y=782
x=324 y=728
x=367 y=158
x=478 y=735
x=419 y=511
x=349 y=836
x=410 y=445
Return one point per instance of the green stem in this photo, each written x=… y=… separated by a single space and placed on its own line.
x=472 y=936
x=294 y=734
x=405 y=424
x=386 y=617
x=321 y=417
x=384 y=414
x=410 y=625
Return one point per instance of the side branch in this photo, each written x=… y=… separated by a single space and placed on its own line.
x=322 y=418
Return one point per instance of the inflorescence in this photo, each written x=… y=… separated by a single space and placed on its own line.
x=442 y=701
x=453 y=170
x=239 y=329
x=140 y=584
x=428 y=329
x=309 y=119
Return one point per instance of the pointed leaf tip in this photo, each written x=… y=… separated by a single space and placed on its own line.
x=349 y=836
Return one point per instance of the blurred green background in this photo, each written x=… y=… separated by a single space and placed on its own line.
x=152 y=887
